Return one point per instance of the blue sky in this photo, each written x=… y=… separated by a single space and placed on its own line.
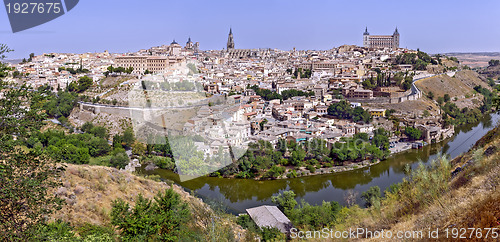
x=123 y=25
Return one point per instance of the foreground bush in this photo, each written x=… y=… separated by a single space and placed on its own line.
x=160 y=219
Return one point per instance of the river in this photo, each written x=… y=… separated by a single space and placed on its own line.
x=240 y=194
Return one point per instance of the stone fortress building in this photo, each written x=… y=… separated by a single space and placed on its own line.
x=157 y=59
x=381 y=41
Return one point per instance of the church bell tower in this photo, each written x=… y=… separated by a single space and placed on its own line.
x=230 y=40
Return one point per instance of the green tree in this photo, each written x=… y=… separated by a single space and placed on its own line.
x=161 y=219
x=494 y=62
x=27 y=177
x=84 y=83
x=361 y=136
x=99 y=131
x=496 y=103
x=440 y=101
x=128 y=137
x=86 y=127
x=73 y=87
x=271 y=234
x=117 y=141
x=163 y=146
x=407 y=84
x=372 y=196
x=446 y=97
x=285 y=201
x=413 y=133
x=119 y=159
x=430 y=95
x=381 y=138
x=274 y=172
x=342 y=110
x=297 y=156
x=98 y=147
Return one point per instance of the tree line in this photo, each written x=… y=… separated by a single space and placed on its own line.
x=264 y=160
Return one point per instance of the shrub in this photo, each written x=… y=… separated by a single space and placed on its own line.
x=119 y=159
x=271 y=234
x=285 y=201
x=311 y=168
x=161 y=219
x=55 y=231
x=317 y=217
x=292 y=174
x=164 y=162
x=246 y=222
x=99 y=233
x=413 y=133
x=274 y=172
x=446 y=97
x=372 y=196
x=424 y=186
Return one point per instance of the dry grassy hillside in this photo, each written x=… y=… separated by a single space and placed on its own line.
x=491 y=72
x=409 y=108
x=474 y=197
x=115 y=124
x=463 y=193
x=461 y=86
x=90 y=190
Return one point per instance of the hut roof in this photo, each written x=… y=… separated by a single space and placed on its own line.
x=270 y=216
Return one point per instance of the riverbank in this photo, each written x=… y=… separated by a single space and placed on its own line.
x=303 y=171
x=240 y=194
x=453 y=193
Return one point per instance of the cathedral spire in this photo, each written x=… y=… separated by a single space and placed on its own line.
x=230 y=40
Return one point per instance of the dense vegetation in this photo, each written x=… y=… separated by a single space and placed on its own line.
x=270 y=162
x=287 y=94
x=419 y=60
x=76 y=148
x=488 y=98
x=413 y=133
x=383 y=79
x=73 y=71
x=162 y=219
x=344 y=110
x=82 y=85
x=268 y=95
x=306 y=216
x=26 y=175
x=60 y=105
x=118 y=70
x=456 y=116
x=494 y=62
x=304 y=73
x=29 y=175
x=359 y=148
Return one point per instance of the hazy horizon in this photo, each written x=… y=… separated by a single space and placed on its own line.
x=128 y=26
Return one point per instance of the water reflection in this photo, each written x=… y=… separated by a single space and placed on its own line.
x=239 y=194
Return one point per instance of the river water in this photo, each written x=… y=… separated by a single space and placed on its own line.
x=240 y=194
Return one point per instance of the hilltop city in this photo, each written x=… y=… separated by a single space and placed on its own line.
x=96 y=132
x=286 y=94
